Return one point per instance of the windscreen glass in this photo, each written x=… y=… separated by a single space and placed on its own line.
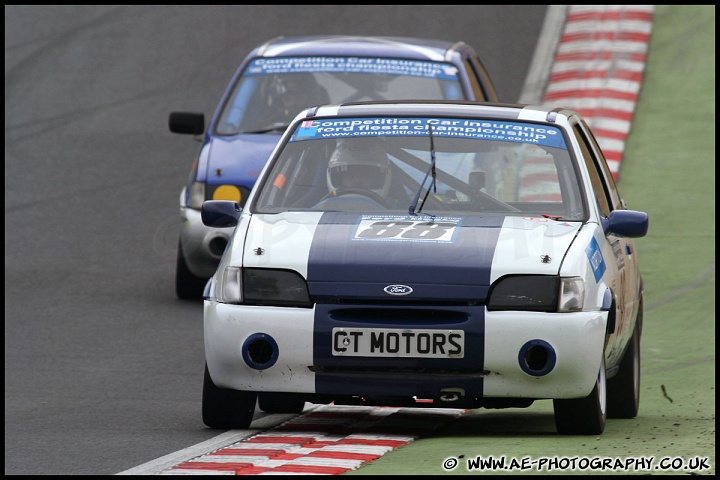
x=272 y=91
x=434 y=166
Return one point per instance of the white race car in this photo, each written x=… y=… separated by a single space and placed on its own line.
x=440 y=254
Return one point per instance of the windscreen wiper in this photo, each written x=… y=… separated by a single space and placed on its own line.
x=432 y=171
x=273 y=127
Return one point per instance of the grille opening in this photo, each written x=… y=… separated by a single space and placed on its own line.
x=536 y=358
x=260 y=351
x=217 y=245
x=399 y=315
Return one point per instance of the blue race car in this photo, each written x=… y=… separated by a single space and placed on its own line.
x=274 y=82
x=440 y=254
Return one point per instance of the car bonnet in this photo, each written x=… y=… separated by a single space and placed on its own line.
x=356 y=256
x=237 y=159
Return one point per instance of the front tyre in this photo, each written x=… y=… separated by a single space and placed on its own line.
x=187 y=285
x=624 y=388
x=584 y=416
x=226 y=409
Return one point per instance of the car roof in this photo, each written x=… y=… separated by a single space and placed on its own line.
x=347 y=45
x=444 y=108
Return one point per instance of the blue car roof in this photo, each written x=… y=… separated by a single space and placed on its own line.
x=346 y=45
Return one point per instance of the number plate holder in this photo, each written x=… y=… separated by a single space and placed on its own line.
x=390 y=342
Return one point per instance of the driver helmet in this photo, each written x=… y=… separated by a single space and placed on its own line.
x=290 y=92
x=359 y=163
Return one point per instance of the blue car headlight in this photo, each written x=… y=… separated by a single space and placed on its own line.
x=538 y=293
x=197 y=195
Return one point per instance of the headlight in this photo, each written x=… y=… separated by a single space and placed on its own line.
x=539 y=293
x=197 y=195
x=572 y=294
x=263 y=286
x=232 y=285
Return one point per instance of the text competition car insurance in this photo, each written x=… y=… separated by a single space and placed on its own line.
x=442 y=254
x=272 y=84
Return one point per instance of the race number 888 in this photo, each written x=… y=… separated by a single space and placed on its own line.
x=426 y=230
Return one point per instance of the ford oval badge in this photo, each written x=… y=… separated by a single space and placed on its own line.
x=398 y=290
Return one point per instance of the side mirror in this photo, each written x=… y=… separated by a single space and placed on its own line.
x=220 y=213
x=626 y=223
x=187 y=123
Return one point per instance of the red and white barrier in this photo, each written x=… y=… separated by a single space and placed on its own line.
x=598 y=70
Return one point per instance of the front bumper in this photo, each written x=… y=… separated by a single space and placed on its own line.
x=516 y=355
x=202 y=246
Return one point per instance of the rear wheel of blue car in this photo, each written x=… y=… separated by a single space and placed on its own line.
x=584 y=416
x=624 y=388
x=187 y=285
x=226 y=409
x=280 y=403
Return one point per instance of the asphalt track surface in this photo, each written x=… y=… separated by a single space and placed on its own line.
x=677 y=410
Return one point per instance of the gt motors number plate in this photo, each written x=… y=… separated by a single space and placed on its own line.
x=388 y=342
